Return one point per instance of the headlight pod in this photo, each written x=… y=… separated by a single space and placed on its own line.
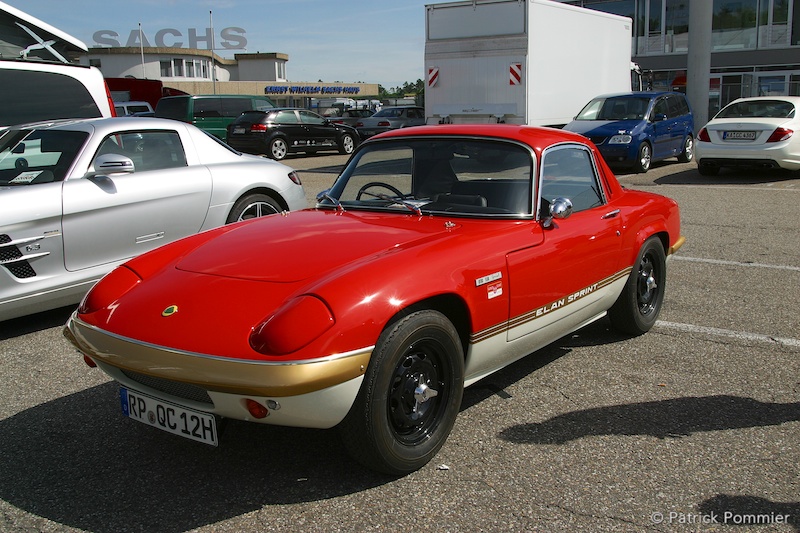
x=620 y=138
x=294 y=326
x=109 y=289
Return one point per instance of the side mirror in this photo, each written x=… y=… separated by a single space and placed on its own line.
x=112 y=164
x=660 y=117
x=560 y=208
x=19 y=149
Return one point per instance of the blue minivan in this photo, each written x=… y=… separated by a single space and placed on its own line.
x=634 y=129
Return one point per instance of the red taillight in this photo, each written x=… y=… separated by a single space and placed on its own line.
x=359 y=124
x=89 y=361
x=255 y=128
x=702 y=135
x=295 y=177
x=110 y=101
x=780 y=134
x=255 y=409
x=383 y=123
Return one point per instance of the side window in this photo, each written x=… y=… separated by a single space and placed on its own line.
x=674 y=103
x=233 y=107
x=286 y=117
x=310 y=118
x=660 y=108
x=149 y=150
x=568 y=172
x=40 y=156
x=261 y=104
x=207 y=107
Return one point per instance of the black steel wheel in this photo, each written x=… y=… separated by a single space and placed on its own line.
x=637 y=308
x=410 y=395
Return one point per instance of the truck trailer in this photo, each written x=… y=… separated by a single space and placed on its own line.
x=535 y=62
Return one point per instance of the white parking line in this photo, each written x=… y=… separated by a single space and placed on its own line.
x=741 y=335
x=734 y=263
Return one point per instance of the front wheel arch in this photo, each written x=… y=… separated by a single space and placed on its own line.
x=410 y=396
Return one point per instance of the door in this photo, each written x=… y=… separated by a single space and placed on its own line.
x=117 y=216
x=664 y=142
x=561 y=282
x=287 y=123
x=319 y=134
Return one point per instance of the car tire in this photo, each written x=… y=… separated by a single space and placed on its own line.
x=687 y=155
x=637 y=308
x=253 y=206
x=410 y=396
x=708 y=170
x=278 y=149
x=644 y=157
x=347 y=144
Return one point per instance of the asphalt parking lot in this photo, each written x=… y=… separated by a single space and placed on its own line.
x=694 y=426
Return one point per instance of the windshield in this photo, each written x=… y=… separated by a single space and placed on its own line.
x=38 y=156
x=437 y=175
x=615 y=108
x=758 y=109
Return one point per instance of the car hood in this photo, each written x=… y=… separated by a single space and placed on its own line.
x=305 y=244
x=603 y=128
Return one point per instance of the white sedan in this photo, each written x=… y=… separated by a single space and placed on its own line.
x=77 y=198
x=757 y=132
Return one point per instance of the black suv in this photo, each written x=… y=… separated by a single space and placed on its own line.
x=280 y=131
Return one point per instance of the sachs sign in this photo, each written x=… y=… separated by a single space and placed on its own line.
x=229 y=39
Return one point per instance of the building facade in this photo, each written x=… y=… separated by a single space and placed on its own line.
x=755 y=45
x=198 y=71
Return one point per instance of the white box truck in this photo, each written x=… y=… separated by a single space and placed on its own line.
x=535 y=62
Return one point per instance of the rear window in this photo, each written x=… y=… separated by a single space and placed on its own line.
x=29 y=96
x=759 y=109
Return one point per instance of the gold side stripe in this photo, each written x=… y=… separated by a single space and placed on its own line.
x=540 y=312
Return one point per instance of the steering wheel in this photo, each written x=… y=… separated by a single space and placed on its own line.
x=363 y=189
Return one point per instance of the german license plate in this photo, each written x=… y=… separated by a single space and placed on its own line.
x=238 y=130
x=169 y=417
x=739 y=135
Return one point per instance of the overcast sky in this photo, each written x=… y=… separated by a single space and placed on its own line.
x=371 y=41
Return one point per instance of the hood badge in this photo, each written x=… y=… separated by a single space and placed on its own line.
x=169 y=311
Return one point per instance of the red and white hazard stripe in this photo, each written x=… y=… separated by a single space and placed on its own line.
x=433 y=76
x=515 y=74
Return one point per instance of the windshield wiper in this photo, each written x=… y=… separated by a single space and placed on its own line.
x=335 y=201
x=400 y=201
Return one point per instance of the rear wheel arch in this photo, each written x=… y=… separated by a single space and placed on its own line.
x=274 y=196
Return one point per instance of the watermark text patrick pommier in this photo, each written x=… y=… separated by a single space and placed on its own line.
x=727 y=517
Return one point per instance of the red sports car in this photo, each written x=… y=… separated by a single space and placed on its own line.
x=440 y=255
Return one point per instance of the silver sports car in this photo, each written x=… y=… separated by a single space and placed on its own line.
x=77 y=198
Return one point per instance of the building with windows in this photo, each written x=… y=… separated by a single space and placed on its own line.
x=755 y=48
x=198 y=71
